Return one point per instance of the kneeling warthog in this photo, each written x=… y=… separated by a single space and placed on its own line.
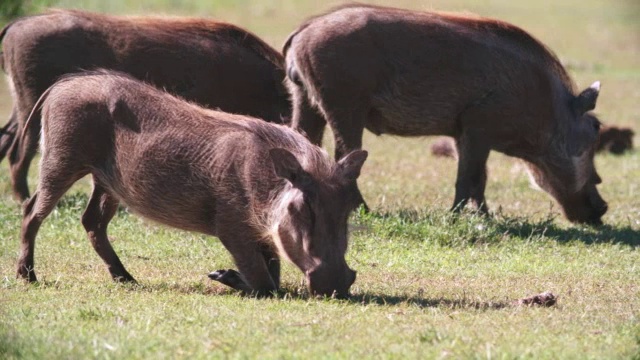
x=214 y=64
x=486 y=83
x=263 y=189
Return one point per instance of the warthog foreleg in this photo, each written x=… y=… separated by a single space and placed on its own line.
x=472 y=173
x=232 y=279
x=254 y=268
x=100 y=210
x=273 y=263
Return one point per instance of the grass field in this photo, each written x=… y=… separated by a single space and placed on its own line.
x=429 y=285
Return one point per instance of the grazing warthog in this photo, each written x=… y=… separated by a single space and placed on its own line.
x=486 y=83
x=214 y=64
x=263 y=189
x=615 y=140
x=444 y=147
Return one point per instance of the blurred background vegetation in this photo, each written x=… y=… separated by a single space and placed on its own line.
x=10 y=9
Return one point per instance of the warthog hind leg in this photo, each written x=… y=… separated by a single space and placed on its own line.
x=348 y=125
x=306 y=119
x=8 y=134
x=100 y=210
x=55 y=181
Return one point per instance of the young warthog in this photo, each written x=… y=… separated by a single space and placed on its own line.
x=486 y=83
x=215 y=64
x=263 y=189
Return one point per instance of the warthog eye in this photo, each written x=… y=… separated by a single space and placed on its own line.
x=303 y=210
x=311 y=214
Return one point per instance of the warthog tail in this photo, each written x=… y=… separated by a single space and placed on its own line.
x=292 y=72
x=287 y=43
x=36 y=110
x=308 y=21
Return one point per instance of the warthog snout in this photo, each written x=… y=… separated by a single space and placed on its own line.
x=324 y=281
x=587 y=207
x=599 y=208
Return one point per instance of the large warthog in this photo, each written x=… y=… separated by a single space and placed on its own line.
x=486 y=83
x=263 y=189
x=214 y=64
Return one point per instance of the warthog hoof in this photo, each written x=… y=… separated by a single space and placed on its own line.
x=27 y=274
x=125 y=279
x=231 y=278
x=235 y=280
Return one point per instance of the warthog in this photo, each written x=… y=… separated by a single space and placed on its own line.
x=486 y=83
x=263 y=189
x=214 y=64
x=615 y=140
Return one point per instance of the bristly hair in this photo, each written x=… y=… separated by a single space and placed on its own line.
x=313 y=159
x=196 y=26
x=513 y=34
x=517 y=36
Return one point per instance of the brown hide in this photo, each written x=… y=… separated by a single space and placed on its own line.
x=485 y=83
x=263 y=189
x=214 y=64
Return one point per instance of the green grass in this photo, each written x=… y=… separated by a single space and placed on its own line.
x=429 y=285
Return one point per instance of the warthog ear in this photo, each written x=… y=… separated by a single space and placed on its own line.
x=586 y=101
x=286 y=165
x=349 y=166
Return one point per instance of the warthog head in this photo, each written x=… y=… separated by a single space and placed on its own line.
x=568 y=172
x=310 y=223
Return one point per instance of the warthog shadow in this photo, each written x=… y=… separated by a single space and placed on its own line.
x=299 y=293
x=296 y=293
x=367 y=298
x=603 y=234
x=408 y=222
